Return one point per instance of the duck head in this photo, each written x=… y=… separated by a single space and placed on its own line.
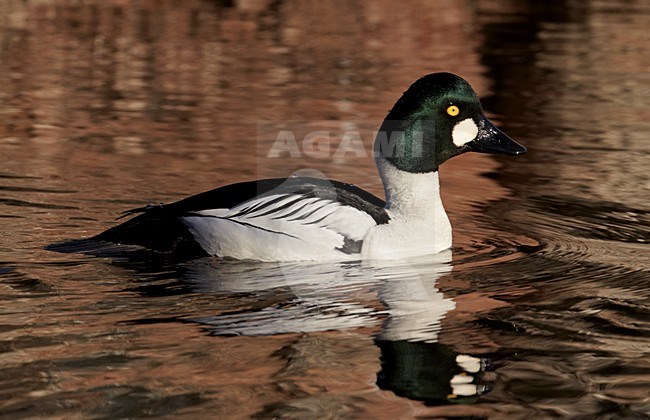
x=437 y=118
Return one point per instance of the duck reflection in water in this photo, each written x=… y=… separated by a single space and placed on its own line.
x=400 y=297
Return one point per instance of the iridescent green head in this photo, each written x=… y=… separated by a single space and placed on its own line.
x=438 y=117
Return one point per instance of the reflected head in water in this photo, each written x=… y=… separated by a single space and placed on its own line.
x=430 y=372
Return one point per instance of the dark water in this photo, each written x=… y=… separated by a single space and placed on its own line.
x=540 y=310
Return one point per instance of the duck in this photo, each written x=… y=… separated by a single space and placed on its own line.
x=314 y=219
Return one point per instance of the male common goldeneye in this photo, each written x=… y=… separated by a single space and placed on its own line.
x=301 y=218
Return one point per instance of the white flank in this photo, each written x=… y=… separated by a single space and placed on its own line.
x=307 y=228
x=464 y=132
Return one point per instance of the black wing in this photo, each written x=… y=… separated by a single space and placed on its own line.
x=159 y=228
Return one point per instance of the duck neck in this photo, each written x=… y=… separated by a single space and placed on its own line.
x=414 y=196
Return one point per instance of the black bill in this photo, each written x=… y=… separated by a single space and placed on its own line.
x=492 y=140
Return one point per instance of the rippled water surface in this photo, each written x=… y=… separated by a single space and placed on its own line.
x=540 y=310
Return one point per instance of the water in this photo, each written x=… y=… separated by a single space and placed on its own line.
x=540 y=310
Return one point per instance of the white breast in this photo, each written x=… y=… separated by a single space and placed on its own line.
x=280 y=227
x=418 y=222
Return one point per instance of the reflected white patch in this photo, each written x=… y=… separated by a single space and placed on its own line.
x=464 y=390
x=461 y=379
x=469 y=363
x=464 y=132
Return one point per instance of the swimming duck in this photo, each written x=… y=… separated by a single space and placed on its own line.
x=300 y=218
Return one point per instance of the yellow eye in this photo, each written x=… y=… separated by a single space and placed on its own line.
x=453 y=110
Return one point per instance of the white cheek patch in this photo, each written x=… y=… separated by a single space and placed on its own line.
x=464 y=132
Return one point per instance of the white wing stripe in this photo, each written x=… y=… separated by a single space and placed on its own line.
x=308 y=212
x=320 y=214
x=297 y=209
x=273 y=206
x=257 y=203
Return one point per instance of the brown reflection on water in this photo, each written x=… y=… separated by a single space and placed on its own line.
x=161 y=101
x=112 y=104
x=105 y=105
x=585 y=111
